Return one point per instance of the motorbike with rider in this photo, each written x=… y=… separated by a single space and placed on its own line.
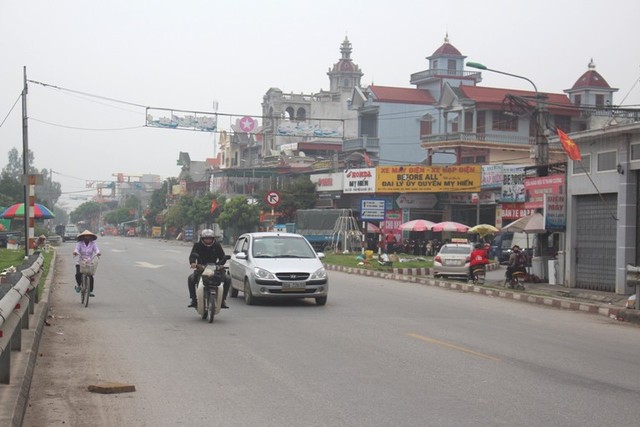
x=477 y=264
x=517 y=266
x=207 y=250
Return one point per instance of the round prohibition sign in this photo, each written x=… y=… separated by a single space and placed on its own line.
x=272 y=198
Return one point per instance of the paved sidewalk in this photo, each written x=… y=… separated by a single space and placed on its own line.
x=595 y=302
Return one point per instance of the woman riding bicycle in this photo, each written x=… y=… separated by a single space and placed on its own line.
x=86 y=249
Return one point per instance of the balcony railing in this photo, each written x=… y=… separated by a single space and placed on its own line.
x=479 y=137
x=485 y=138
x=422 y=75
x=363 y=143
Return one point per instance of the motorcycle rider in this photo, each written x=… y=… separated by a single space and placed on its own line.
x=478 y=257
x=206 y=251
x=516 y=262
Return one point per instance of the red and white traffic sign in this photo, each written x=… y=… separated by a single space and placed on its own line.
x=272 y=198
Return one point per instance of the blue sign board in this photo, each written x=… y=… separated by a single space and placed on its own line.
x=372 y=209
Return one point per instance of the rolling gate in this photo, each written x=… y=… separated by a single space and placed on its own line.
x=596 y=242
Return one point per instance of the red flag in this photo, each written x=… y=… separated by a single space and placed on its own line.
x=569 y=146
x=214 y=206
x=367 y=160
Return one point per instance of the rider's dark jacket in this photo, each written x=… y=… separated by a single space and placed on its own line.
x=206 y=254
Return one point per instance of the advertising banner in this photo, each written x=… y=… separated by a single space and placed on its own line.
x=515 y=211
x=428 y=179
x=536 y=188
x=327 y=181
x=512 y=184
x=554 y=212
x=491 y=177
x=359 y=180
x=391 y=224
x=485 y=198
x=181 y=119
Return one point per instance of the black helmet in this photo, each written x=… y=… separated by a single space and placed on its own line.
x=478 y=246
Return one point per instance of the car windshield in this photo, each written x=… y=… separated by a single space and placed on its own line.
x=458 y=250
x=281 y=247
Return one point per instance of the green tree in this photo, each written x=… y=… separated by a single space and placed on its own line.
x=239 y=216
x=158 y=201
x=12 y=188
x=89 y=213
x=118 y=216
x=49 y=192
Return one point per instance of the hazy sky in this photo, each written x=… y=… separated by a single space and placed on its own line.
x=189 y=54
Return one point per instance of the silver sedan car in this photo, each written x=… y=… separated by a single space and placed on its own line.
x=277 y=265
x=453 y=259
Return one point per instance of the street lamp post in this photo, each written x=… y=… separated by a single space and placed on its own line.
x=542 y=146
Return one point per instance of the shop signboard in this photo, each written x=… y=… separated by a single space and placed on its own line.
x=512 y=184
x=428 y=179
x=555 y=217
x=361 y=180
x=535 y=189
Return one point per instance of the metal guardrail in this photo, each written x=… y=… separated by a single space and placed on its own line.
x=15 y=308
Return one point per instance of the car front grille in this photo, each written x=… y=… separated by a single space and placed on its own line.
x=289 y=277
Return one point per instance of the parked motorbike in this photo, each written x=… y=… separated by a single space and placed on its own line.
x=210 y=288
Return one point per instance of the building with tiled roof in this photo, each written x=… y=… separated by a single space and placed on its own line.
x=591 y=93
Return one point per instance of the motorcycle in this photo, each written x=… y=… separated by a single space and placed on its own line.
x=209 y=290
x=516 y=281
x=478 y=273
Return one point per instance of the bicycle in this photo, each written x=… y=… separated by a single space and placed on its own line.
x=88 y=268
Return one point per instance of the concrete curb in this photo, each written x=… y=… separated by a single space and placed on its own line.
x=425 y=271
x=25 y=361
x=616 y=313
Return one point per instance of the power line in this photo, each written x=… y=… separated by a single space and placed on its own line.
x=86 y=94
x=91 y=129
x=10 y=110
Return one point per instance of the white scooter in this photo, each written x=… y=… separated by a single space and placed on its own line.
x=210 y=289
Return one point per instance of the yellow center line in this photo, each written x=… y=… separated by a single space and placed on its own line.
x=453 y=346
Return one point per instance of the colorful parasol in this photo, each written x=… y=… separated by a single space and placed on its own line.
x=483 y=229
x=17 y=211
x=450 y=226
x=417 y=225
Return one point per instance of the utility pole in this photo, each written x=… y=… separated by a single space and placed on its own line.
x=25 y=167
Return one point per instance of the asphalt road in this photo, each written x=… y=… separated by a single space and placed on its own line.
x=380 y=353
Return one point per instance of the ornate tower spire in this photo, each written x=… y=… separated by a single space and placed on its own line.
x=345 y=75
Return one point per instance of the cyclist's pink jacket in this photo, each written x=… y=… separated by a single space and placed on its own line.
x=86 y=250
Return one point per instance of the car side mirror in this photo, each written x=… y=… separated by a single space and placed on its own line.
x=241 y=255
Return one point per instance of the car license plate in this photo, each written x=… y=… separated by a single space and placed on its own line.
x=455 y=262
x=292 y=286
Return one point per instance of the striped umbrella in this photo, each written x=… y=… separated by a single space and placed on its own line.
x=17 y=211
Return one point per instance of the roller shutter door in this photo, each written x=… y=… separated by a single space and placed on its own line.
x=596 y=242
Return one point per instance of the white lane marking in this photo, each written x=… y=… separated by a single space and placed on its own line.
x=145 y=264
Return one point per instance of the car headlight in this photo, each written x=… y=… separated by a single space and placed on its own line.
x=261 y=273
x=320 y=274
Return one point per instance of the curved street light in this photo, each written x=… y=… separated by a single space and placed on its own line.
x=541 y=142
